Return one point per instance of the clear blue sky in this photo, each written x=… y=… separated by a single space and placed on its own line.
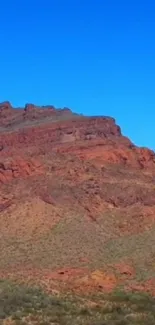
x=94 y=56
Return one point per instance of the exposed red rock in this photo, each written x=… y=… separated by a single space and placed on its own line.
x=14 y=168
x=5 y=203
x=126 y=270
x=97 y=280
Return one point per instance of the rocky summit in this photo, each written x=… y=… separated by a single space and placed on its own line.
x=77 y=202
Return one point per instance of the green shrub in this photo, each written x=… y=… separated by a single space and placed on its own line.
x=31 y=306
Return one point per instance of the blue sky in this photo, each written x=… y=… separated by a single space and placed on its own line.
x=94 y=56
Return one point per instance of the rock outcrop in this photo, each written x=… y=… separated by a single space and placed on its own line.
x=19 y=167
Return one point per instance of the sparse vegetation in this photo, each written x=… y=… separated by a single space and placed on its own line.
x=21 y=305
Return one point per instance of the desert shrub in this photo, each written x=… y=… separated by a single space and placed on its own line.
x=21 y=305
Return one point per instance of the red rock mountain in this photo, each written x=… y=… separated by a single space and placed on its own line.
x=77 y=200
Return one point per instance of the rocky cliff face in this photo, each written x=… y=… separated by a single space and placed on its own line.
x=60 y=168
x=47 y=128
x=19 y=117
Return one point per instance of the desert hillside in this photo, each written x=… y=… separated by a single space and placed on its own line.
x=77 y=202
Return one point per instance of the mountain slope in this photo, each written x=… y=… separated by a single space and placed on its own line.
x=77 y=203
